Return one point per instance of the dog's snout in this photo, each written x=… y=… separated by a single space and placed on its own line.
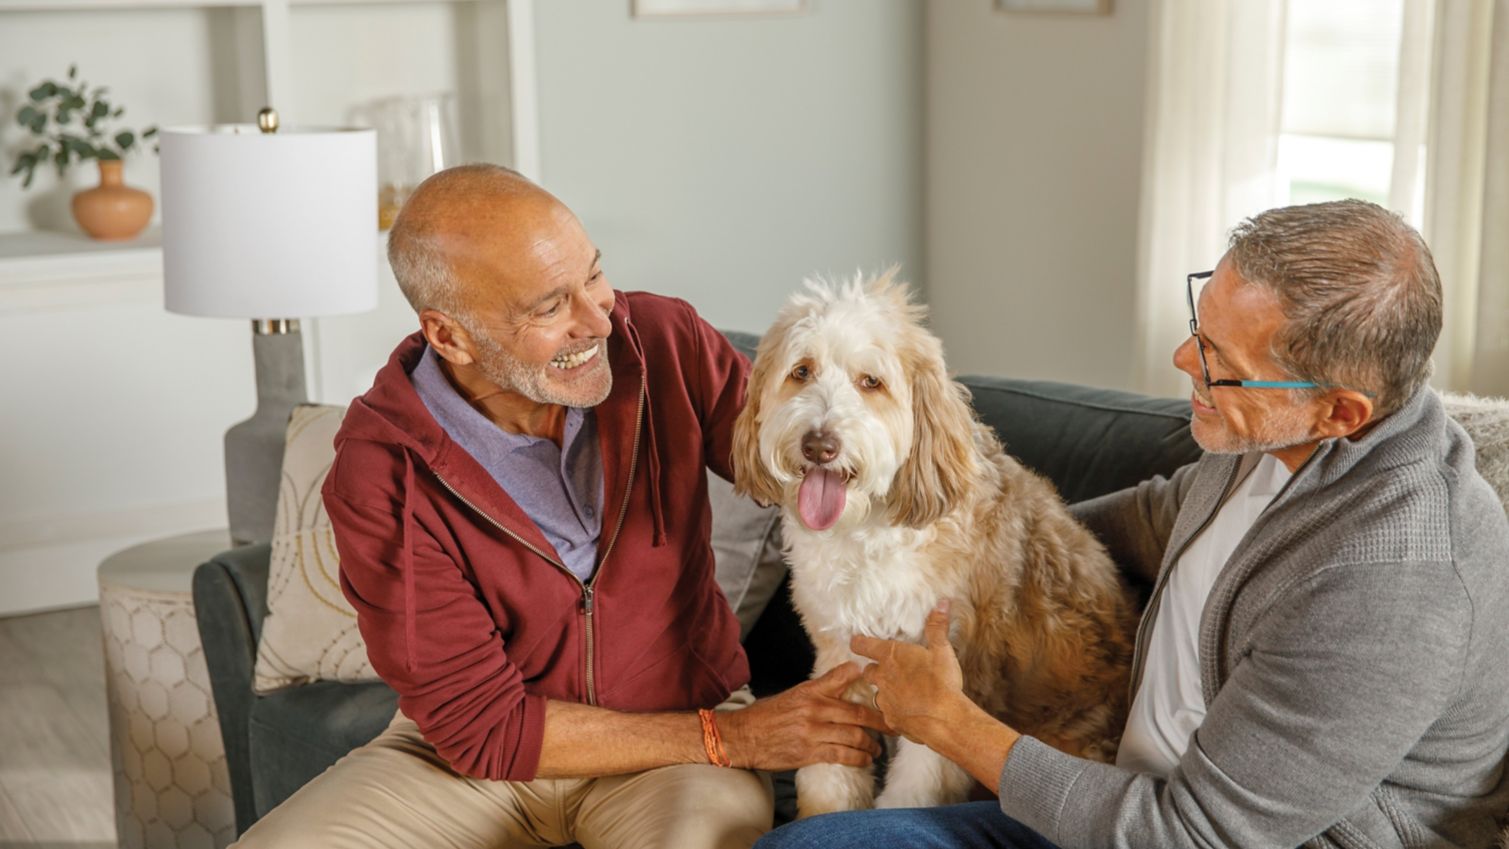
x=820 y=446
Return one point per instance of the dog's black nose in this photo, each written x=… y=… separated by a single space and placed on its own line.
x=820 y=446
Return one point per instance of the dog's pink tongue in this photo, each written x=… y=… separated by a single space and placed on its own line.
x=820 y=501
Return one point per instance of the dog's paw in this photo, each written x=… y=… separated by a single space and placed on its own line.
x=830 y=788
x=921 y=778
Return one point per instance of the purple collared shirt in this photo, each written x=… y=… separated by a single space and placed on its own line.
x=560 y=489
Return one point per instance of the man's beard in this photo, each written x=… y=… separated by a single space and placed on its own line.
x=514 y=375
x=1284 y=429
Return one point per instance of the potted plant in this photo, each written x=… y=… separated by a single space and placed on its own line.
x=71 y=122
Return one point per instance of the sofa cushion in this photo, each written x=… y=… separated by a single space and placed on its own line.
x=746 y=541
x=1088 y=442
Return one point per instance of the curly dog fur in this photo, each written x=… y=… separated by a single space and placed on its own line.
x=894 y=496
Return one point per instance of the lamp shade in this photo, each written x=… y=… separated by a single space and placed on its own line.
x=269 y=225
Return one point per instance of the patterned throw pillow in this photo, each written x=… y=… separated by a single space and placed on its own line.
x=310 y=631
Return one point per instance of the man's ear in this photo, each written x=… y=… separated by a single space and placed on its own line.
x=1344 y=412
x=446 y=335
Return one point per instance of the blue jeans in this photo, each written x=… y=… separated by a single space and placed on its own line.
x=975 y=825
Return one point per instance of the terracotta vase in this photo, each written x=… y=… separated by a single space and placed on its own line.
x=112 y=211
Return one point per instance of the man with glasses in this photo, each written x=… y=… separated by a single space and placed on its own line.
x=1325 y=657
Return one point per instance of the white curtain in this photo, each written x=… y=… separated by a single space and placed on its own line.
x=1214 y=104
x=1467 y=191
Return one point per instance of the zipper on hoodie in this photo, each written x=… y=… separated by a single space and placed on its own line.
x=587 y=586
x=623 y=511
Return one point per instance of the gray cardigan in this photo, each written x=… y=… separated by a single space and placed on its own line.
x=1354 y=654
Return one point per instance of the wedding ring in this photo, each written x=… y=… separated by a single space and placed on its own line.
x=874 y=695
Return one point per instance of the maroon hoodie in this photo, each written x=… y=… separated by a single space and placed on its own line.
x=467 y=610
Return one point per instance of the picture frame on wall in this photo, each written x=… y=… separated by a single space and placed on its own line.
x=697 y=8
x=1056 y=7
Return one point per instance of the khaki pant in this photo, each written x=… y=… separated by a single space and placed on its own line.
x=397 y=792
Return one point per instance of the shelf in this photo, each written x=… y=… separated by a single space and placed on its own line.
x=37 y=245
x=45 y=270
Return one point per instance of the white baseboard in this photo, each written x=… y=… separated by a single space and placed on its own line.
x=50 y=564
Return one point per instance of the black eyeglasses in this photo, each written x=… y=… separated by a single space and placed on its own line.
x=1194 y=330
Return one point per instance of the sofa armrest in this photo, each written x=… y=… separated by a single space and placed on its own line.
x=230 y=602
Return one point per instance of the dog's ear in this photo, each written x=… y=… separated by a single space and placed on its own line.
x=750 y=475
x=938 y=472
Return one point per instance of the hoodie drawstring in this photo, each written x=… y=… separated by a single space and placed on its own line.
x=657 y=506
x=409 y=627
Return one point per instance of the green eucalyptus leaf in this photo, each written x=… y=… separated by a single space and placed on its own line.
x=73 y=71
x=81 y=147
x=27 y=115
x=108 y=154
x=100 y=109
x=60 y=160
x=125 y=139
x=150 y=132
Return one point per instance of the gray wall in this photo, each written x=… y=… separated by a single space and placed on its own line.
x=722 y=159
x=1034 y=151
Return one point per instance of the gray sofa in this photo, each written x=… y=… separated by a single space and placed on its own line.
x=1087 y=441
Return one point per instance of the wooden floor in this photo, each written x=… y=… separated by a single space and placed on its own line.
x=55 y=781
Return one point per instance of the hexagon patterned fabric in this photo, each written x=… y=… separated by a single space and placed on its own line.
x=171 y=783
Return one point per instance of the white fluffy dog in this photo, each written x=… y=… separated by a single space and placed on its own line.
x=896 y=496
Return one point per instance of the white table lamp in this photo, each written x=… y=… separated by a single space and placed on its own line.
x=269 y=226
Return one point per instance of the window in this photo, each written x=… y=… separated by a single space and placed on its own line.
x=1340 y=104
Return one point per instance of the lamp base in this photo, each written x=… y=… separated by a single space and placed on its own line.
x=254 y=448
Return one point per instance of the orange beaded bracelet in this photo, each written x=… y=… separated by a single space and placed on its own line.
x=712 y=742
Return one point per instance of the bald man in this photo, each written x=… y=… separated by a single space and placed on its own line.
x=520 y=506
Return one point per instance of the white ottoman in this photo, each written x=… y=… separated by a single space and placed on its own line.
x=171 y=784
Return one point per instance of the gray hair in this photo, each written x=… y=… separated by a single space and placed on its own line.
x=1359 y=290
x=419 y=262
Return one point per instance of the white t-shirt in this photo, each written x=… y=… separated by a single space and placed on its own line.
x=1169 y=704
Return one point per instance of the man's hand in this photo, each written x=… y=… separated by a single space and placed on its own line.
x=916 y=687
x=809 y=723
x=920 y=691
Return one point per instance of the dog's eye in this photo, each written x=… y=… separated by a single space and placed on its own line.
x=870 y=382
x=801 y=373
